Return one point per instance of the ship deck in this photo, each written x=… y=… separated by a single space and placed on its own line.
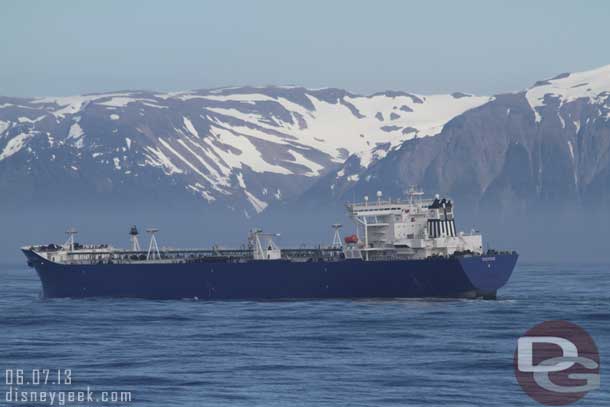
x=105 y=255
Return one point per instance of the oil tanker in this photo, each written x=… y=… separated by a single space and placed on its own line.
x=400 y=248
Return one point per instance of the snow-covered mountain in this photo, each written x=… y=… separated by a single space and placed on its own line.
x=543 y=147
x=238 y=148
x=243 y=149
x=592 y=87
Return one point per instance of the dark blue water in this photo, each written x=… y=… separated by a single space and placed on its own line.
x=300 y=353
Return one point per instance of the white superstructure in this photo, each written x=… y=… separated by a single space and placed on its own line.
x=262 y=245
x=416 y=228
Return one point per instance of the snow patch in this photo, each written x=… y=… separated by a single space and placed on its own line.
x=155 y=106
x=240 y=180
x=189 y=126
x=589 y=84
x=577 y=125
x=200 y=189
x=184 y=160
x=114 y=117
x=4 y=126
x=68 y=105
x=122 y=101
x=371 y=155
x=159 y=159
x=258 y=204
x=223 y=142
x=563 y=123
x=75 y=132
x=71 y=104
x=571 y=148
x=28 y=120
x=218 y=178
x=14 y=145
x=250 y=98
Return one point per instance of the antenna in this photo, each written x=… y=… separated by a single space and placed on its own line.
x=135 y=244
x=379 y=195
x=70 y=242
x=413 y=192
x=153 y=249
x=337 y=237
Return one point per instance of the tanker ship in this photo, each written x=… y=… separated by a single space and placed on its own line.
x=400 y=248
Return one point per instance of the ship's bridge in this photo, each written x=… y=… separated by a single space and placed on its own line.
x=414 y=227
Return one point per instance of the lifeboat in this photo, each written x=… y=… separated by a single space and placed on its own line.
x=352 y=239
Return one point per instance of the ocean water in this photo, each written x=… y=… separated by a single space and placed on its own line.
x=297 y=353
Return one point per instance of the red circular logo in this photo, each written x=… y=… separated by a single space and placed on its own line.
x=557 y=363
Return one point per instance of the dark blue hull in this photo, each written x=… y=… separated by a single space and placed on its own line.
x=474 y=276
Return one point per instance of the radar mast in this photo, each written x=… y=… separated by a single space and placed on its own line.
x=414 y=193
x=70 y=242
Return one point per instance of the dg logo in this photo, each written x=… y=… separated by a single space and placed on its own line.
x=557 y=363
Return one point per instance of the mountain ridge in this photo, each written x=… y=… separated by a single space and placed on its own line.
x=241 y=147
x=548 y=144
x=245 y=149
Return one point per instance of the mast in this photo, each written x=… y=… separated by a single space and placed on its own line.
x=413 y=193
x=337 y=244
x=70 y=242
x=135 y=244
x=153 y=248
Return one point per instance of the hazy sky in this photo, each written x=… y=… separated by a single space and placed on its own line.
x=69 y=47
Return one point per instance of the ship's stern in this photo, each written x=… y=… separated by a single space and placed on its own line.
x=489 y=272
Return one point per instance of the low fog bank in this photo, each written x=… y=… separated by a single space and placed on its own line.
x=568 y=236
x=547 y=235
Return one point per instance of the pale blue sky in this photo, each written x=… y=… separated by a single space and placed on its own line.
x=69 y=47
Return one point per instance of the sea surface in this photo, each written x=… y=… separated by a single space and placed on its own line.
x=400 y=352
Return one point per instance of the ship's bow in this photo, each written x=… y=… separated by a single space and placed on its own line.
x=51 y=281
